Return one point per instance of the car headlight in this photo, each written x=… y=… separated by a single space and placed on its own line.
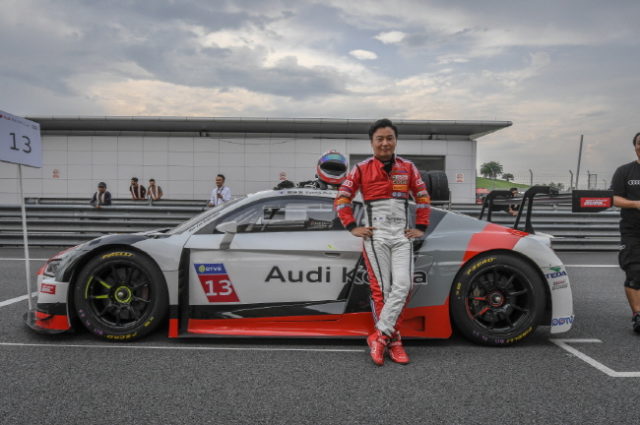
x=51 y=267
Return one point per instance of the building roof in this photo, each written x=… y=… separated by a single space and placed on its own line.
x=202 y=126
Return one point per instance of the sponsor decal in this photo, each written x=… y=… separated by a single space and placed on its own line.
x=117 y=254
x=347 y=183
x=559 y=321
x=216 y=283
x=633 y=182
x=595 y=202
x=519 y=337
x=47 y=288
x=559 y=284
x=555 y=272
x=480 y=264
x=323 y=275
x=402 y=179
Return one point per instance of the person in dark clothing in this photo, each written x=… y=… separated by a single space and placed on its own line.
x=138 y=191
x=102 y=196
x=626 y=196
x=513 y=208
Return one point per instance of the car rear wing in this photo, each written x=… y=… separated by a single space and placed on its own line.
x=580 y=200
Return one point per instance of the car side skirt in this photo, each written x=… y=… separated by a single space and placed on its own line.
x=419 y=322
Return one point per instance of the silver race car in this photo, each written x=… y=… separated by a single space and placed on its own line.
x=279 y=264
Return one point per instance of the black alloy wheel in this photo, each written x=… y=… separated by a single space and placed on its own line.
x=497 y=299
x=120 y=296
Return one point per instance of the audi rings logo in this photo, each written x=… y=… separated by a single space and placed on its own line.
x=559 y=321
x=633 y=182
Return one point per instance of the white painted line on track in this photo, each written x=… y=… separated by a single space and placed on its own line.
x=596 y=266
x=184 y=348
x=16 y=299
x=564 y=344
x=22 y=259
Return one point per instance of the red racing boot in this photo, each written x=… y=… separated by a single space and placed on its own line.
x=396 y=350
x=378 y=344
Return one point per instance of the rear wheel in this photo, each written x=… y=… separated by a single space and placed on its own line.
x=498 y=299
x=120 y=295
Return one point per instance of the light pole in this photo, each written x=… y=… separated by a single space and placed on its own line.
x=579 y=158
x=571 y=184
x=530 y=177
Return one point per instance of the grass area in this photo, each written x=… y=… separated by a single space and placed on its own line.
x=482 y=182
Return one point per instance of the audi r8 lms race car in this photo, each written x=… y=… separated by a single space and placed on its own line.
x=279 y=264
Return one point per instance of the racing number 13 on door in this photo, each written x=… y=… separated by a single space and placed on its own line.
x=216 y=283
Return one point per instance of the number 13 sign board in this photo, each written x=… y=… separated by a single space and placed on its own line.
x=20 y=141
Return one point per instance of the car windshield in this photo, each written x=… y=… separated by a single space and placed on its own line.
x=204 y=216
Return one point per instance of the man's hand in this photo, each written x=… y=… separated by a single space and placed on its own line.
x=363 y=232
x=413 y=233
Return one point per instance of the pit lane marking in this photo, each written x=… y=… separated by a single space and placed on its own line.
x=564 y=344
x=183 y=348
x=16 y=299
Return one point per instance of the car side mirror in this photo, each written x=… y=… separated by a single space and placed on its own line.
x=227 y=227
x=230 y=228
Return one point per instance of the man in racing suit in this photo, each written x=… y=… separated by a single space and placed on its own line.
x=386 y=182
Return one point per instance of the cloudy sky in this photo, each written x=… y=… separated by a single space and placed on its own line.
x=557 y=69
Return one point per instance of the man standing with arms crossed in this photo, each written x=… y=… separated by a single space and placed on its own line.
x=626 y=196
x=386 y=182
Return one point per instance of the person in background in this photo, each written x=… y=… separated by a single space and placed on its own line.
x=154 y=192
x=284 y=182
x=221 y=193
x=513 y=208
x=626 y=196
x=102 y=196
x=137 y=190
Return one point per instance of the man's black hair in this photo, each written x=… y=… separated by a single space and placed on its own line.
x=513 y=188
x=634 y=138
x=383 y=123
x=221 y=175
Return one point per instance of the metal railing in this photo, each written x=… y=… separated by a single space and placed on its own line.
x=52 y=222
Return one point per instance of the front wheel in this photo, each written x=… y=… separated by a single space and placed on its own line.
x=120 y=295
x=497 y=299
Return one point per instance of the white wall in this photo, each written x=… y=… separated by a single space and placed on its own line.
x=186 y=167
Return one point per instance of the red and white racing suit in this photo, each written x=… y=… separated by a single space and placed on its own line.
x=388 y=253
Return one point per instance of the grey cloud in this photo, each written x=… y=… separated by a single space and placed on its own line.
x=151 y=35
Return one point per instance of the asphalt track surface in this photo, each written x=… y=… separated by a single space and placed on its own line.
x=76 y=379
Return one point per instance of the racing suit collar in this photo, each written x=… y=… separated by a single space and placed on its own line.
x=386 y=165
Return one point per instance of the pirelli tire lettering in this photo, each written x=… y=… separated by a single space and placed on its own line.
x=497 y=299
x=120 y=295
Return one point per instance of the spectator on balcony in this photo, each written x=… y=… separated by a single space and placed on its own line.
x=102 y=196
x=138 y=191
x=154 y=192
x=221 y=193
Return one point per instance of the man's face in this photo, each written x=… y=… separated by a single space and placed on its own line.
x=134 y=183
x=383 y=143
x=637 y=147
x=219 y=181
x=101 y=189
x=152 y=182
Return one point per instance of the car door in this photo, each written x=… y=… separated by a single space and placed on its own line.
x=288 y=256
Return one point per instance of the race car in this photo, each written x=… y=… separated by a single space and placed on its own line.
x=279 y=264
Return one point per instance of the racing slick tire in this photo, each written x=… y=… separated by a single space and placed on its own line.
x=120 y=295
x=497 y=299
x=437 y=184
